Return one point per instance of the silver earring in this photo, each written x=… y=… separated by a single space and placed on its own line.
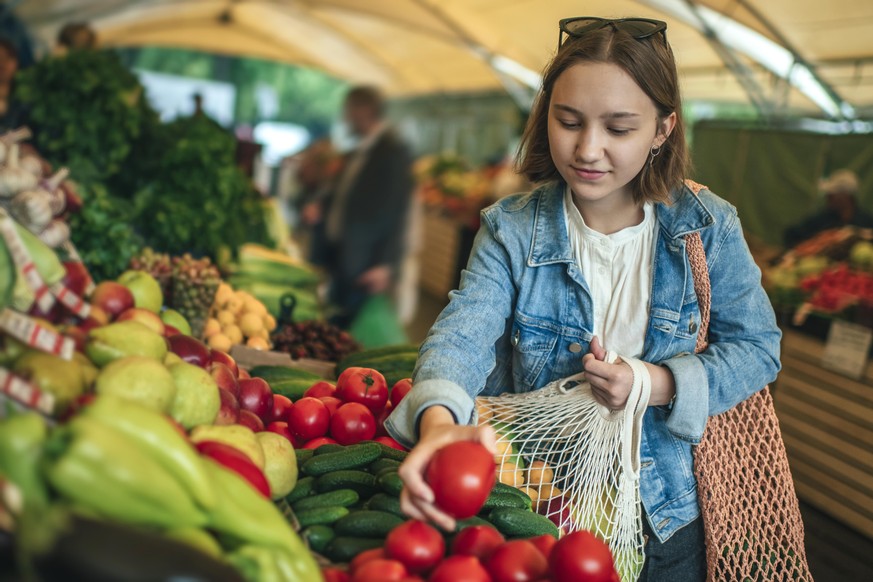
x=656 y=149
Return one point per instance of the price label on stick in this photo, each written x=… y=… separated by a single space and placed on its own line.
x=44 y=299
x=26 y=393
x=72 y=301
x=25 y=329
x=847 y=348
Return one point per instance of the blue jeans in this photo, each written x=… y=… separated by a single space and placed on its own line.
x=682 y=558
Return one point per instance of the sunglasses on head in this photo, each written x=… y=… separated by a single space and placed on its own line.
x=638 y=28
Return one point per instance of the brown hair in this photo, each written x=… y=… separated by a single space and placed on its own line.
x=367 y=96
x=650 y=63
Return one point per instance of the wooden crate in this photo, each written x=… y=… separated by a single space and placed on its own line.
x=439 y=254
x=827 y=425
x=247 y=358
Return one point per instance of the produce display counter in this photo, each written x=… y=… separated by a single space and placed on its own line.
x=442 y=239
x=827 y=425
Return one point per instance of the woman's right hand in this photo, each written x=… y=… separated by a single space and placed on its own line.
x=437 y=429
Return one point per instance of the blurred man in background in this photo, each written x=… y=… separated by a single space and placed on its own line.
x=364 y=214
x=841 y=209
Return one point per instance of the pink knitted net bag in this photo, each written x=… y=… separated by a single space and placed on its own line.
x=751 y=516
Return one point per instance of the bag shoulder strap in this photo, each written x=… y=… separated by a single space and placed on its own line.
x=700 y=274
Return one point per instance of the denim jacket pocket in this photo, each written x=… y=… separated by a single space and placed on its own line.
x=532 y=346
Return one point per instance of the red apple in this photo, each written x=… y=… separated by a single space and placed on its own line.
x=223 y=358
x=255 y=395
x=320 y=389
x=223 y=377
x=281 y=428
x=170 y=331
x=190 y=349
x=251 y=420
x=112 y=297
x=229 y=411
x=244 y=374
x=281 y=406
x=150 y=319
x=331 y=403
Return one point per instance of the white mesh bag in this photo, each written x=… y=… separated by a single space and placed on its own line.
x=578 y=460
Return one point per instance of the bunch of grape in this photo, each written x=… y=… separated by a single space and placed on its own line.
x=158 y=266
x=195 y=282
x=314 y=339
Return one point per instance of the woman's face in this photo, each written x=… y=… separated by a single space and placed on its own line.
x=602 y=127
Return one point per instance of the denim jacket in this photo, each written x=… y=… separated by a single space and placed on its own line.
x=523 y=318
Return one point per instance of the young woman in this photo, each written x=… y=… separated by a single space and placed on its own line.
x=595 y=258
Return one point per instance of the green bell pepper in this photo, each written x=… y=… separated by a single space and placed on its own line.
x=101 y=469
x=22 y=437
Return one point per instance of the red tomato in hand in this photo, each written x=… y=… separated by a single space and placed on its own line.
x=581 y=557
x=309 y=419
x=281 y=407
x=364 y=386
x=416 y=545
x=320 y=389
x=477 y=540
x=545 y=544
x=517 y=561
x=400 y=389
x=352 y=423
x=335 y=575
x=366 y=556
x=461 y=476
x=460 y=569
x=332 y=403
x=380 y=570
x=315 y=443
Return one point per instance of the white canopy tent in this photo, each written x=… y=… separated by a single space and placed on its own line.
x=800 y=55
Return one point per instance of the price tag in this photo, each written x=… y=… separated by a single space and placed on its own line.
x=846 y=349
x=73 y=255
x=25 y=329
x=44 y=299
x=26 y=393
x=73 y=302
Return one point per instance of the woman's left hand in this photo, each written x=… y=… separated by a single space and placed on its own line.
x=610 y=383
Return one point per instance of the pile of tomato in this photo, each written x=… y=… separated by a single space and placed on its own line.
x=417 y=552
x=835 y=289
x=348 y=412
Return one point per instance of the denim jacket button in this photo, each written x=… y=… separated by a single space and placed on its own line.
x=575 y=348
x=692 y=327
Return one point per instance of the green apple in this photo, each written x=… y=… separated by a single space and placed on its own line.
x=280 y=463
x=138 y=379
x=145 y=289
x=240 y=437
x=197 y=400
x=177 y=320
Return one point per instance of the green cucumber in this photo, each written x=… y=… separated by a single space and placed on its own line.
x=359 y=481
x=358 y=358
x=352 y=457
x=291 y=389
x=320 y=515
x=383 y=463
x=343 y=549
x=384 y=502
x=392 y=453
x=367 y=524
x=318 y=537
x=303 y=455
x=329 y=448
x=282 y=373
x=304 y=488
x=500 y=499
x=338 y=497
x=390 y=483
x=512 y=522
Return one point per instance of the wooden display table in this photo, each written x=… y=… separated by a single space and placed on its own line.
x=827 y=425
x=439 y=255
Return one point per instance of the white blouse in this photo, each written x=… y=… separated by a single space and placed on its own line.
x=618 y=270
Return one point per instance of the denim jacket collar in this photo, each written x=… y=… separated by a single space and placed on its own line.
x=551 y=243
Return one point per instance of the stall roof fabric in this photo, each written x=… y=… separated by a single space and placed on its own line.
x=799 y=55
